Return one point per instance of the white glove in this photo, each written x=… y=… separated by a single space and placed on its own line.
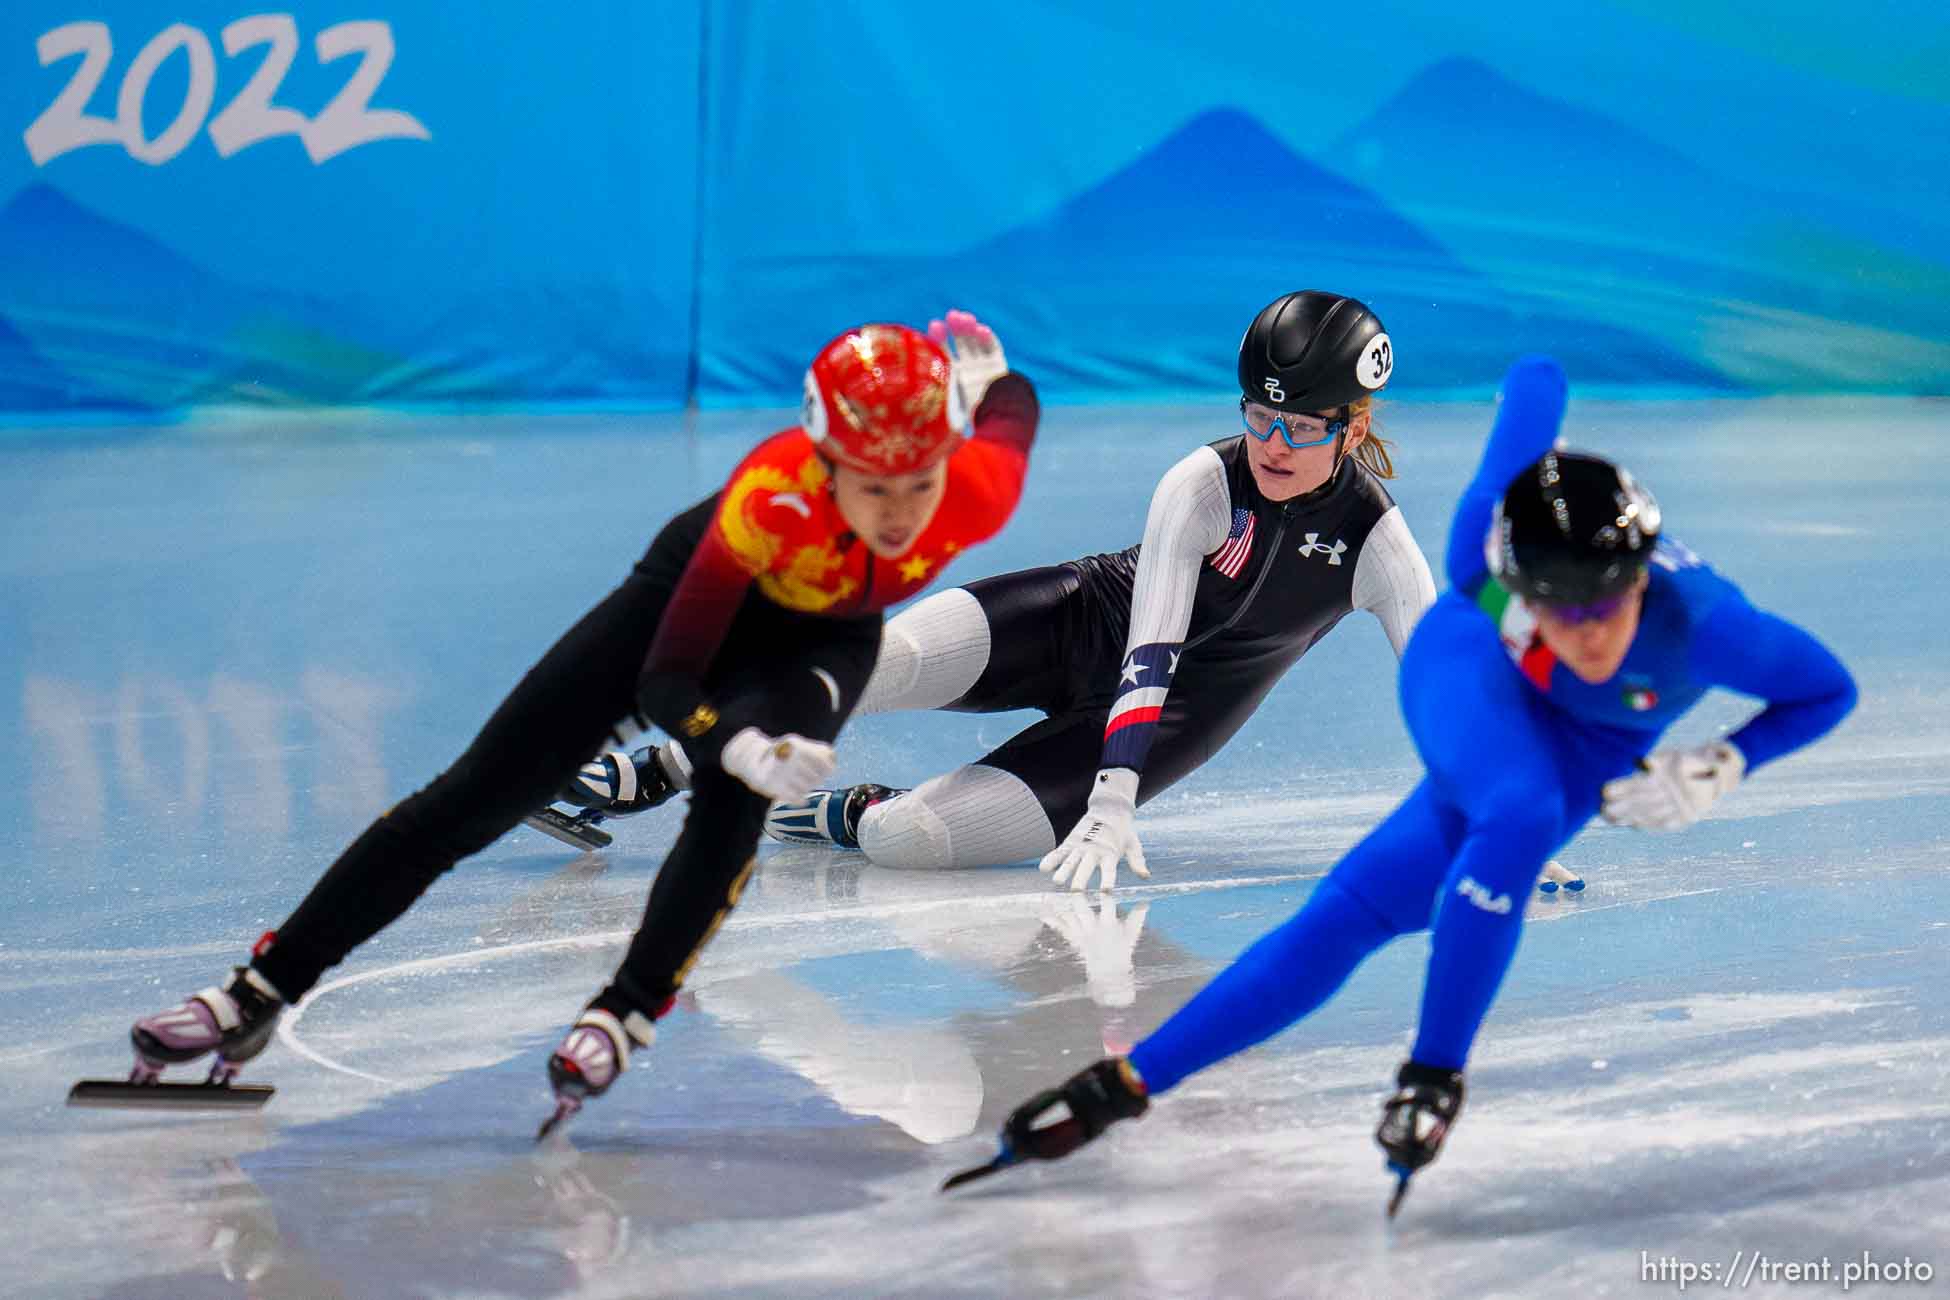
x=976 y=353
x=786 y=768
x=1102 y=837
x=1673 y=788
x=1105 y=941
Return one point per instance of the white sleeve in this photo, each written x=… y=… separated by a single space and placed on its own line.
x=1391 y=579
x=1191 y=513
x=1191 y=510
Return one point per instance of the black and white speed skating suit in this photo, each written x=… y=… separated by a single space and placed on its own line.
x=1150 y=658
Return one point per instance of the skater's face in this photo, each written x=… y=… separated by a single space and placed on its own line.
x=1283 y=471
x=1593 y=648
x=889 y=511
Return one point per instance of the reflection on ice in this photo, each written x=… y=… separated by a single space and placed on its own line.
x=1735 y=1038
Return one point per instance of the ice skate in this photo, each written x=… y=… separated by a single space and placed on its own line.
x=235 y=1021
x=618 y=784
x=592 y=1056
x=581 y=830
x=1415 y=1121
x=613 y=784
x=1091 y=1100
x=825 y=816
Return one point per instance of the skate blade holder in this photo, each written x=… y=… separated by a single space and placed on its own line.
x=120 y=1094
x=576 y=832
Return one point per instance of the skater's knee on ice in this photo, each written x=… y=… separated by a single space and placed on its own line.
x=905 y=832
x=975 y=816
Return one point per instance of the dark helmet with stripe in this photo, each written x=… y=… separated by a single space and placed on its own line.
x=1572 y=529
x=1313 y=351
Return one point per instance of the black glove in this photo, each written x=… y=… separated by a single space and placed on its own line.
x=1096 y=1098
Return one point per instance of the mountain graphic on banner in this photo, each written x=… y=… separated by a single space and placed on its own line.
x=1551 y=199
x=151 y=328
x=30 y=382
x=1150 y=276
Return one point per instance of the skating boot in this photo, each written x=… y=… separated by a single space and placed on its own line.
x=825 y=816
x=595 y=1053
x=235 y=1021
x=1093 y=1100
x=618 y=784
x=613 y=784
x=1415 y=1121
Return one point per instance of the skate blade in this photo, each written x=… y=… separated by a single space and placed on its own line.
x=563 y=1110
x=1401 y=1188
x=575 y=833
x=120 y=1094
x=1002 y=1161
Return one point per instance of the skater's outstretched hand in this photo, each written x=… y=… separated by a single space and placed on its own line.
x=1673 y=788
x=976 y=352
x=784 y=767
x=1102 y=837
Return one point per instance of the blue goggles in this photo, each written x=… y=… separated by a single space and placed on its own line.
x=1594 y=611
x=1317 y=430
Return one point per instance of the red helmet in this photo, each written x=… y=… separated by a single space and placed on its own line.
x=883 y=399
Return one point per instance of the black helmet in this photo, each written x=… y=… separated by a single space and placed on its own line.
x=1572 y=529
x=1313 y=351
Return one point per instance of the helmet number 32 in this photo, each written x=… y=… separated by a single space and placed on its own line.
x=1377 y=360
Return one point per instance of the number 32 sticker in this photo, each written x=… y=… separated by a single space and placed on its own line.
x=251 y=118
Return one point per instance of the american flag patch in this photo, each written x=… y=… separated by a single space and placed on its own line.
x=1231 y=558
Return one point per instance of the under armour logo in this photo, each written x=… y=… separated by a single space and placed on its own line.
x=1274 y=391
x=1333 y=553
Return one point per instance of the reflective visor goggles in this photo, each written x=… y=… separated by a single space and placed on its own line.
x=1299 y=431
x=1590 y=612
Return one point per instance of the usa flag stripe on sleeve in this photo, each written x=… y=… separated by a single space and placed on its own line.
x=1136 y=706
x=1231 y=558
x=1143 y=683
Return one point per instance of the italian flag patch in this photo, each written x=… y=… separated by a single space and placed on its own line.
x=1516 y=627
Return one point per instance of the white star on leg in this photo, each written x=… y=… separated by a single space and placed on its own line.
x=1131 y=670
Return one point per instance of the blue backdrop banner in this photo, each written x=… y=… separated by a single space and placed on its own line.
x=417 y=201
x=646 y=203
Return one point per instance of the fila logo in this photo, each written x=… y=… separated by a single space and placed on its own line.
x=1274 y=391
x=1480 y=896
x=1333 y=553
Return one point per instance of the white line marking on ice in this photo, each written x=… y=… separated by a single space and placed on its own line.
x=288 y=1027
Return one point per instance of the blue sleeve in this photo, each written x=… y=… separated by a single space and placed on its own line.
x=1529 y=412
x=1756 y=653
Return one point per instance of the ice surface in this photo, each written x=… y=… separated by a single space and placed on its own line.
x=225 y=646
